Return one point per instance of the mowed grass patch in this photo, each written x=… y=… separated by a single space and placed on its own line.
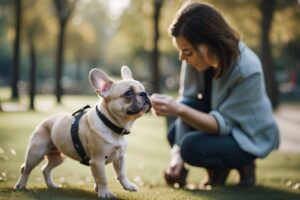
x=278 y=176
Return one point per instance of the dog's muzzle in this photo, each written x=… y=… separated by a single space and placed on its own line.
x=135 y=109
x=147 y=100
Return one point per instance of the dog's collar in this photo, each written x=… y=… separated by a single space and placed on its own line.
x=112 y=126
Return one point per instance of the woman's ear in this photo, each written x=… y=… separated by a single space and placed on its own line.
x=203 y=49
x=209 y=56
x=100 y=81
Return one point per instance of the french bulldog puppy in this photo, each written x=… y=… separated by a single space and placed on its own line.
x=121 y=102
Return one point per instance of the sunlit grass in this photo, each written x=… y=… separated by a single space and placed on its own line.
x=278 y=176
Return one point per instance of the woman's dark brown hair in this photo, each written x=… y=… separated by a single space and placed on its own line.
x=200 y=23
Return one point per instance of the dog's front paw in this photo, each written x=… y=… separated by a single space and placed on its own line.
x=54 y=186
x=19 y=186
x=129 y=186
x=105 y=193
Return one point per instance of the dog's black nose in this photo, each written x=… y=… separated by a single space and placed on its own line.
x=143 y=94
x=147 y=100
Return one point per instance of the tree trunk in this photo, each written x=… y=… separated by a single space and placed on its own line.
x=267 y=9
x=59 y=64
x=32 y=75
x=78 y=67
x=16 y=57
x=155 y=53
x=64 y=10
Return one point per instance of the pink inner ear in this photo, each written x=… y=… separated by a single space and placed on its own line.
x=104 y=86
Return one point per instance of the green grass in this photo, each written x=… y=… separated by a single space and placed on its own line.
x=278 y=176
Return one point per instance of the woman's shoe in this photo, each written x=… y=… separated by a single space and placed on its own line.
x=176 y=181
x=215 y=177
x=247 y=175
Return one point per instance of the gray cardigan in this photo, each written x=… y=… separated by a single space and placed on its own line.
x=240 y=104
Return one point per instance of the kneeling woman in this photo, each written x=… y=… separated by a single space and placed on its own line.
x=232 y=123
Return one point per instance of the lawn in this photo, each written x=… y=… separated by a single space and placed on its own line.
x=278 y=176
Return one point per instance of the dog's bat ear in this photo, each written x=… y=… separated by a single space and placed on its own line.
x=126 y=73
x=100 y=81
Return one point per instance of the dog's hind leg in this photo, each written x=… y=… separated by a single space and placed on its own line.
x=54 y=159
x=37 y=148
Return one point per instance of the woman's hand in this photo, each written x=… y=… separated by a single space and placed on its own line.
x=164 y=105
x=176 y=163
x=175 y=166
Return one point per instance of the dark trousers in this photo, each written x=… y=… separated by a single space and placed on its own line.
x=205 y=150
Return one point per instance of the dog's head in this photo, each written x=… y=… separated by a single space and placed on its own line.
x=125 y=98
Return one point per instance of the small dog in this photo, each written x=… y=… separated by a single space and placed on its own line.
x=100 y=130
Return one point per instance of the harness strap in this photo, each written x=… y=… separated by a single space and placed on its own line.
x=75 y=136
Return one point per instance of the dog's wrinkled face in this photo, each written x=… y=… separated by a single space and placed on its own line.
x=125 y=98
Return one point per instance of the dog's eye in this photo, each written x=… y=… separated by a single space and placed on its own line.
x=129 y=93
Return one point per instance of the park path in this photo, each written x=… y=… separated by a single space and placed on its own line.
x=288 y=119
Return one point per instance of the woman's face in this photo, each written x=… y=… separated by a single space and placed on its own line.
x=199 y=58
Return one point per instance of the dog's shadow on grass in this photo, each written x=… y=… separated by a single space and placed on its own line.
x=56 y=194
x=234 y=192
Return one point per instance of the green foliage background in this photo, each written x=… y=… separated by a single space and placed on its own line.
x=96 y=38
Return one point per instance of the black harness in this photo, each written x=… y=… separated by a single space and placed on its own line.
x=75 y=137
x=75 y=127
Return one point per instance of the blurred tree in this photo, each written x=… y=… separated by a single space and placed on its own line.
x=132 y=41
x=64 y=10
x=32 y=76
x=285 y=39
x=267 y=9
x=112 y=42
x=16 y=55
x=155 y=53
x=5 y=58
x=35 y=32
x=102 y=30
x=88 y=36
x=82 y=46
